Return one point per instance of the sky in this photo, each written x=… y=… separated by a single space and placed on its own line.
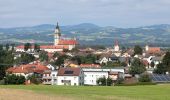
x=117 y=13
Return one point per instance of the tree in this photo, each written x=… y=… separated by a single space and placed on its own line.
x=36 y=47
x=60 y=60
x=6 y=60
x=137 y=50
x=25 y=59
x=34 y=79
x=7 y=47
x=12 y=46
x=14 y=79
x=1 y=47
x=166 y=61
x=56 y=54
x=137 y=67
x=160 y=69
x=124 y=64
x=104 y=81
x=27 y=46
x=144 y=78
x=43 y=56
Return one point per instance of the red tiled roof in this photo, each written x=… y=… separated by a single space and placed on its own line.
x=154 y=50
x=46 y=47
x=53 y=47
x=67 y=42
x=90 y=65
x=29 y=68
x=145 y=62
x=63 y=71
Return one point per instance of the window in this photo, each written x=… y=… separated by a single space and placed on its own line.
x=68 y=72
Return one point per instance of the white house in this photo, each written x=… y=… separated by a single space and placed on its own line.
x=70 y=76
x=50 y=77
x=91 y=75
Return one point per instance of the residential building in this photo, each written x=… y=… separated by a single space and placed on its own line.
x=70 y=76
x=28 y=69
x=50 y=77
x=91 y=75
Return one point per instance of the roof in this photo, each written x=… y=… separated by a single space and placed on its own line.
x=29 y=68
x=154 y=50
x=145 y=62
x=67 y=42
x=46 y=47
x=90 y=66
x=69 y=71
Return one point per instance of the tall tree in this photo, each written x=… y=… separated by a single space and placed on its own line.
x=166 y=61
x=137 y=67
x=36 y=47
x=7 y=47
x=1 y=47
x=6 y=60
x=43 y=56
x=27 y=46
x=25 y=58
x=160 y=69
x=13 y=46
x=137 y=50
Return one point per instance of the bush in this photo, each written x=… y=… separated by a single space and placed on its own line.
x=104 y=82
x=34 y=79
x=119 y=81
x=14 y=79
x=144 y=78
x=135 y=84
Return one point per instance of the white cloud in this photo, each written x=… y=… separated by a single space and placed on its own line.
x=122 y=13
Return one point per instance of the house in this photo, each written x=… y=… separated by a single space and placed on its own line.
x=50 y=77
x=152 y=50
x=27 y=70
x=70 y=76
x=91 y=75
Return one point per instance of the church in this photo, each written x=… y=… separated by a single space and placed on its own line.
x=59 y=43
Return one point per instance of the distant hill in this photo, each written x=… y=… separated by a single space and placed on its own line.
x=88 y=33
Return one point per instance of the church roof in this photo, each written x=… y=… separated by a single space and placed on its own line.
x=46 y=47
x=67 y=42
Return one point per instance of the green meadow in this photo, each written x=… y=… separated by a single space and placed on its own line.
x=149 y=92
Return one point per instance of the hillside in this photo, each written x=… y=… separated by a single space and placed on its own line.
x=88 y=33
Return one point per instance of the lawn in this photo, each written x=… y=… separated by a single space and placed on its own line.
x=152 y=92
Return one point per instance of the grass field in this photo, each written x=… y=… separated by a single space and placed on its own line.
x=153 y=92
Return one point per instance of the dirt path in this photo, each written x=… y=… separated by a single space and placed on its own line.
x=14 y=94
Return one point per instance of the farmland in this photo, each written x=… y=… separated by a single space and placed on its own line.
x=41 y=92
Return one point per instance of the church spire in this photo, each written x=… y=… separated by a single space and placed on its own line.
x=57 y=30
x=57 y=35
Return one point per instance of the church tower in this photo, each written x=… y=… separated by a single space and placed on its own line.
x=57 y=35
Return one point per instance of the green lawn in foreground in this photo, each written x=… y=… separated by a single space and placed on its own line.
x=153 y=92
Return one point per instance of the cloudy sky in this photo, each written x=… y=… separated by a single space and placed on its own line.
x=118 y=13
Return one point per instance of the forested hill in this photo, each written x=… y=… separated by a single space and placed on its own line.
x=88 y=33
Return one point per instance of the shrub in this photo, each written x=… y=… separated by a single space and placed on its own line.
x=104 y=81
x=14 y=79
x=144 y=78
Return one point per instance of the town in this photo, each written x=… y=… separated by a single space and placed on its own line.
x=66 y=63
